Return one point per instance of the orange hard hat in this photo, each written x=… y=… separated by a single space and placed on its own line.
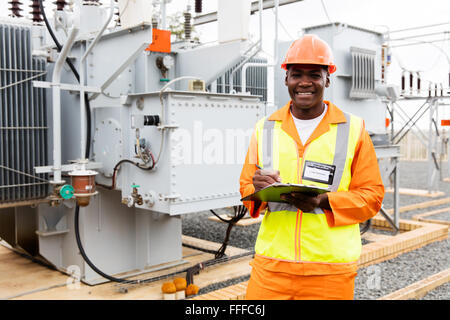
x=310 y=49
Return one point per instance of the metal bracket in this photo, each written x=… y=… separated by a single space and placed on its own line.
x=65 y=86
x=389 y=219
x=168 y=126
x=125 y=100
x=119 y=70
x=171 y=196
x=68 y=167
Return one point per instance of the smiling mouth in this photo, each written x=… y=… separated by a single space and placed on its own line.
x=304 y=93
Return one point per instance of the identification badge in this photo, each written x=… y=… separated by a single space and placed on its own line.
x=318 y=172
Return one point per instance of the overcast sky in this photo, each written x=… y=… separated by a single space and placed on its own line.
x=372 y=14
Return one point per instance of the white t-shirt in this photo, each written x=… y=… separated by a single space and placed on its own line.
x=306 y=127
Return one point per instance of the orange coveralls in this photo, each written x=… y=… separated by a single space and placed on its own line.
x=274 y=279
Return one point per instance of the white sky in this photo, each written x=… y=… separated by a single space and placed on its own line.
x=432 y=60
x=371 y=14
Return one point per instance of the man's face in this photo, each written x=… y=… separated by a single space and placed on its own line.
x=306 y=84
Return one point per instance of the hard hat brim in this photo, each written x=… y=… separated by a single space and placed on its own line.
x=331 y=67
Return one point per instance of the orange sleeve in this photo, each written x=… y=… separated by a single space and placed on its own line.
x=246 y=179
x=366 y=191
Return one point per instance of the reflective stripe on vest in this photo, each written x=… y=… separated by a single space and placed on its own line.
x=343 y=131
x=287 y=233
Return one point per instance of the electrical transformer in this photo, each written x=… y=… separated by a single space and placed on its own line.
x=160 y=144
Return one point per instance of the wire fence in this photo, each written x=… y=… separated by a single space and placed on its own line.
x=412 y=148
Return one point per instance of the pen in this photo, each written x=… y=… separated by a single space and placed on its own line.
x=258 y=167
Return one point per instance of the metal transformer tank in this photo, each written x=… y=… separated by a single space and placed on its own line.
x=203 y=149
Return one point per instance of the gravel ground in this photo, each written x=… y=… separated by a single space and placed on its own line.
x=373 y=281
x=440 y=293
x=445 y=216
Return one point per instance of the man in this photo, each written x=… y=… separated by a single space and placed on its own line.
x=308 y=247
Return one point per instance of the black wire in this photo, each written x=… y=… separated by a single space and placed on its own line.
x=201 y=265
x=219 y=217
x=77 y=76
x=116 y=167
x=83 y=253
x=239 y=213
x=55 y=40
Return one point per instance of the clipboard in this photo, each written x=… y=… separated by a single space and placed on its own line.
x=273 y=192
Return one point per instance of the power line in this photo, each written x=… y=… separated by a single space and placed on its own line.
x=325 y=9
x=421 y=27
x=420 y=35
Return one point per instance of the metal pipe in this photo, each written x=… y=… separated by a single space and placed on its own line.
x=230 y=79
x=56 y=92
x=163 y=14
x=212 y=16
x=260 y=10
x=269 y=65
x=431 y=146
x=396 y=195
x=257 y=64
x=100 y=33
x=83 y=80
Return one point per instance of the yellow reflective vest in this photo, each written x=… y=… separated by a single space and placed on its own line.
x=289 y=234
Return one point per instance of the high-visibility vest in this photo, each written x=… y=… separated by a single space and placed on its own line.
x=289 y=234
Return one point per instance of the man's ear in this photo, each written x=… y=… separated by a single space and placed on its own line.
x=327 y=80
x=285 y=79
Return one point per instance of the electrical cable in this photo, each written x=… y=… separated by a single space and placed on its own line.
x=189 y=271
x=83 y=253
x=239 y=213
x=116 y=168
x=326 y=11
x=77 y=76
x=421 y=27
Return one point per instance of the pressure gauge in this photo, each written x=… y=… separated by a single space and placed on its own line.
x=164 y=64
x=168 y=62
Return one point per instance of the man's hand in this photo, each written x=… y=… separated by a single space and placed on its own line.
x=307 y=203
x=263 y=178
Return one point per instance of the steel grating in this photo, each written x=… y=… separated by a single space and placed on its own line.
x=23 y=118
x=256 y=80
